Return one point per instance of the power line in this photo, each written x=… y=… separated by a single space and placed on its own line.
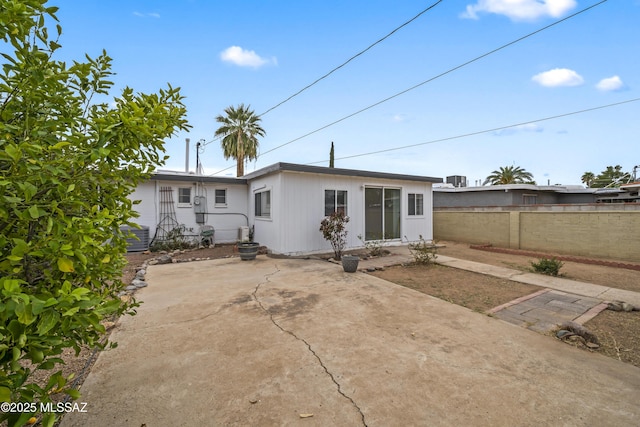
x=344 y=63
x=483 y=131
x=353 y=57
x=435 y=77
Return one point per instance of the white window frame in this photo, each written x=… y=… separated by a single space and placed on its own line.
x=260 y=195
x=215 y=198
x=182 y=204
x=336 y=206
x=414 y=206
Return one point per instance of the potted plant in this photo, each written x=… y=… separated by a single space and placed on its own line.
x=334 y=229
x=350 y=263
x=248 y=249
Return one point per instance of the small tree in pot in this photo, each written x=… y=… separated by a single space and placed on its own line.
x=334 y=229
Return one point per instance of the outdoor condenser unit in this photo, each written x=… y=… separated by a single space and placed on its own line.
x=142 y=234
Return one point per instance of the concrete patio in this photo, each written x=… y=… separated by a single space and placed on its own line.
x=292 y=342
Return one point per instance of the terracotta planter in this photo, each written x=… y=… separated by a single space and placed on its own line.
x=350 y=263
x=248 y=250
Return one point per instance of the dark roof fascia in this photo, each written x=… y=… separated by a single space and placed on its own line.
x=293 y=167
x=515 y=187
x=198 y=178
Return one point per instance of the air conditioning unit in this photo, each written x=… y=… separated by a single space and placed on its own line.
x=243 y=234
x=140 y=244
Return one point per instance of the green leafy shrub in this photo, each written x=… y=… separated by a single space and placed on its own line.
x=423 y=252
x=547 y=266
x=334 y=229
x=373 y=247
x=176 y=239
x=67 y=167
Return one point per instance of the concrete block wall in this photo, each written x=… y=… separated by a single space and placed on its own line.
x=472 y=227
x=599 y=233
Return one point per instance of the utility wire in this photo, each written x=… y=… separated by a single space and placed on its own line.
x=483 y=131
x=344 y=63
x=435 y=77
x=427 y=81
x=353 y=57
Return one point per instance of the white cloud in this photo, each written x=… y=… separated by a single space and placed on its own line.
x=399 y=118
x=529 y=127
x=144 y=15
x=520 y=10
x=244 y=58
x=558 y=77
x=610 y=84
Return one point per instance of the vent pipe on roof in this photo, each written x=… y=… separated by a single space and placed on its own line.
x=186 y=157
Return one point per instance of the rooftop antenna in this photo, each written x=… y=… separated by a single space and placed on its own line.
x=199 y=147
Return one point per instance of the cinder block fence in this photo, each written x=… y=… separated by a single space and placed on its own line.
x=611 y=231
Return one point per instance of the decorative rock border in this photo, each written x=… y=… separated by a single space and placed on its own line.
x=138 y=281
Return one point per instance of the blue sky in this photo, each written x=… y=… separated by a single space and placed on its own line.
x=261 y=52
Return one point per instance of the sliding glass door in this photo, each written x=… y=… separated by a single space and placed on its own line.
x=381 y=213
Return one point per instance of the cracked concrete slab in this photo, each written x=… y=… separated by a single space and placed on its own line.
x=227 y=342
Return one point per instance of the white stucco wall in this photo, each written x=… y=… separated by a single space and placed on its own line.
x=297 y=208
x=297 y=201
x=226 y=219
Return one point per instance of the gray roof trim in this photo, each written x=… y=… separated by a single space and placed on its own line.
x=292 y=167
x=197 y=178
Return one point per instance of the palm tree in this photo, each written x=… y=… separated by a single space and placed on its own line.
x=509 y=175
x=587 y=178
x=239 y=129
x=612 y=176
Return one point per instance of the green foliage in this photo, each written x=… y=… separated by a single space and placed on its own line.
x=239 y=129
x=550 y=267
x=334 y=229
x=587 y=178
x=332 y=156
x=423 y=252
x=176 y=239
x=509 y=175
x=373 y=247
x=612 y=176
x=67 y=167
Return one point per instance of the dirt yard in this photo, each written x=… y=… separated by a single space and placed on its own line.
x=617 y=331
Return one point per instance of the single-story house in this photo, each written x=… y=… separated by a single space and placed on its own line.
x=448 y=196
x=626 y=193
x=284 y=204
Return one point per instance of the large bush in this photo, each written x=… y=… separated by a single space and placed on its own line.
x=334 y=230
x=67 y=165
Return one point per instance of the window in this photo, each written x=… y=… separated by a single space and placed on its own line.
x=184 y=196
x=416 y=204
x=221 y=197
x=529 y=199
x=335 y=201
x=263 y=204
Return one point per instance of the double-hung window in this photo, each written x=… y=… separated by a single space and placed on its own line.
x=416 y=204
x=221 y=197
x=335 y=201
x=184 y=197
x=263 y=204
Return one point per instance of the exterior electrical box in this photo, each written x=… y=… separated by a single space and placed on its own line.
x=243 y=234
x=200 y=204
x=200 y=208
